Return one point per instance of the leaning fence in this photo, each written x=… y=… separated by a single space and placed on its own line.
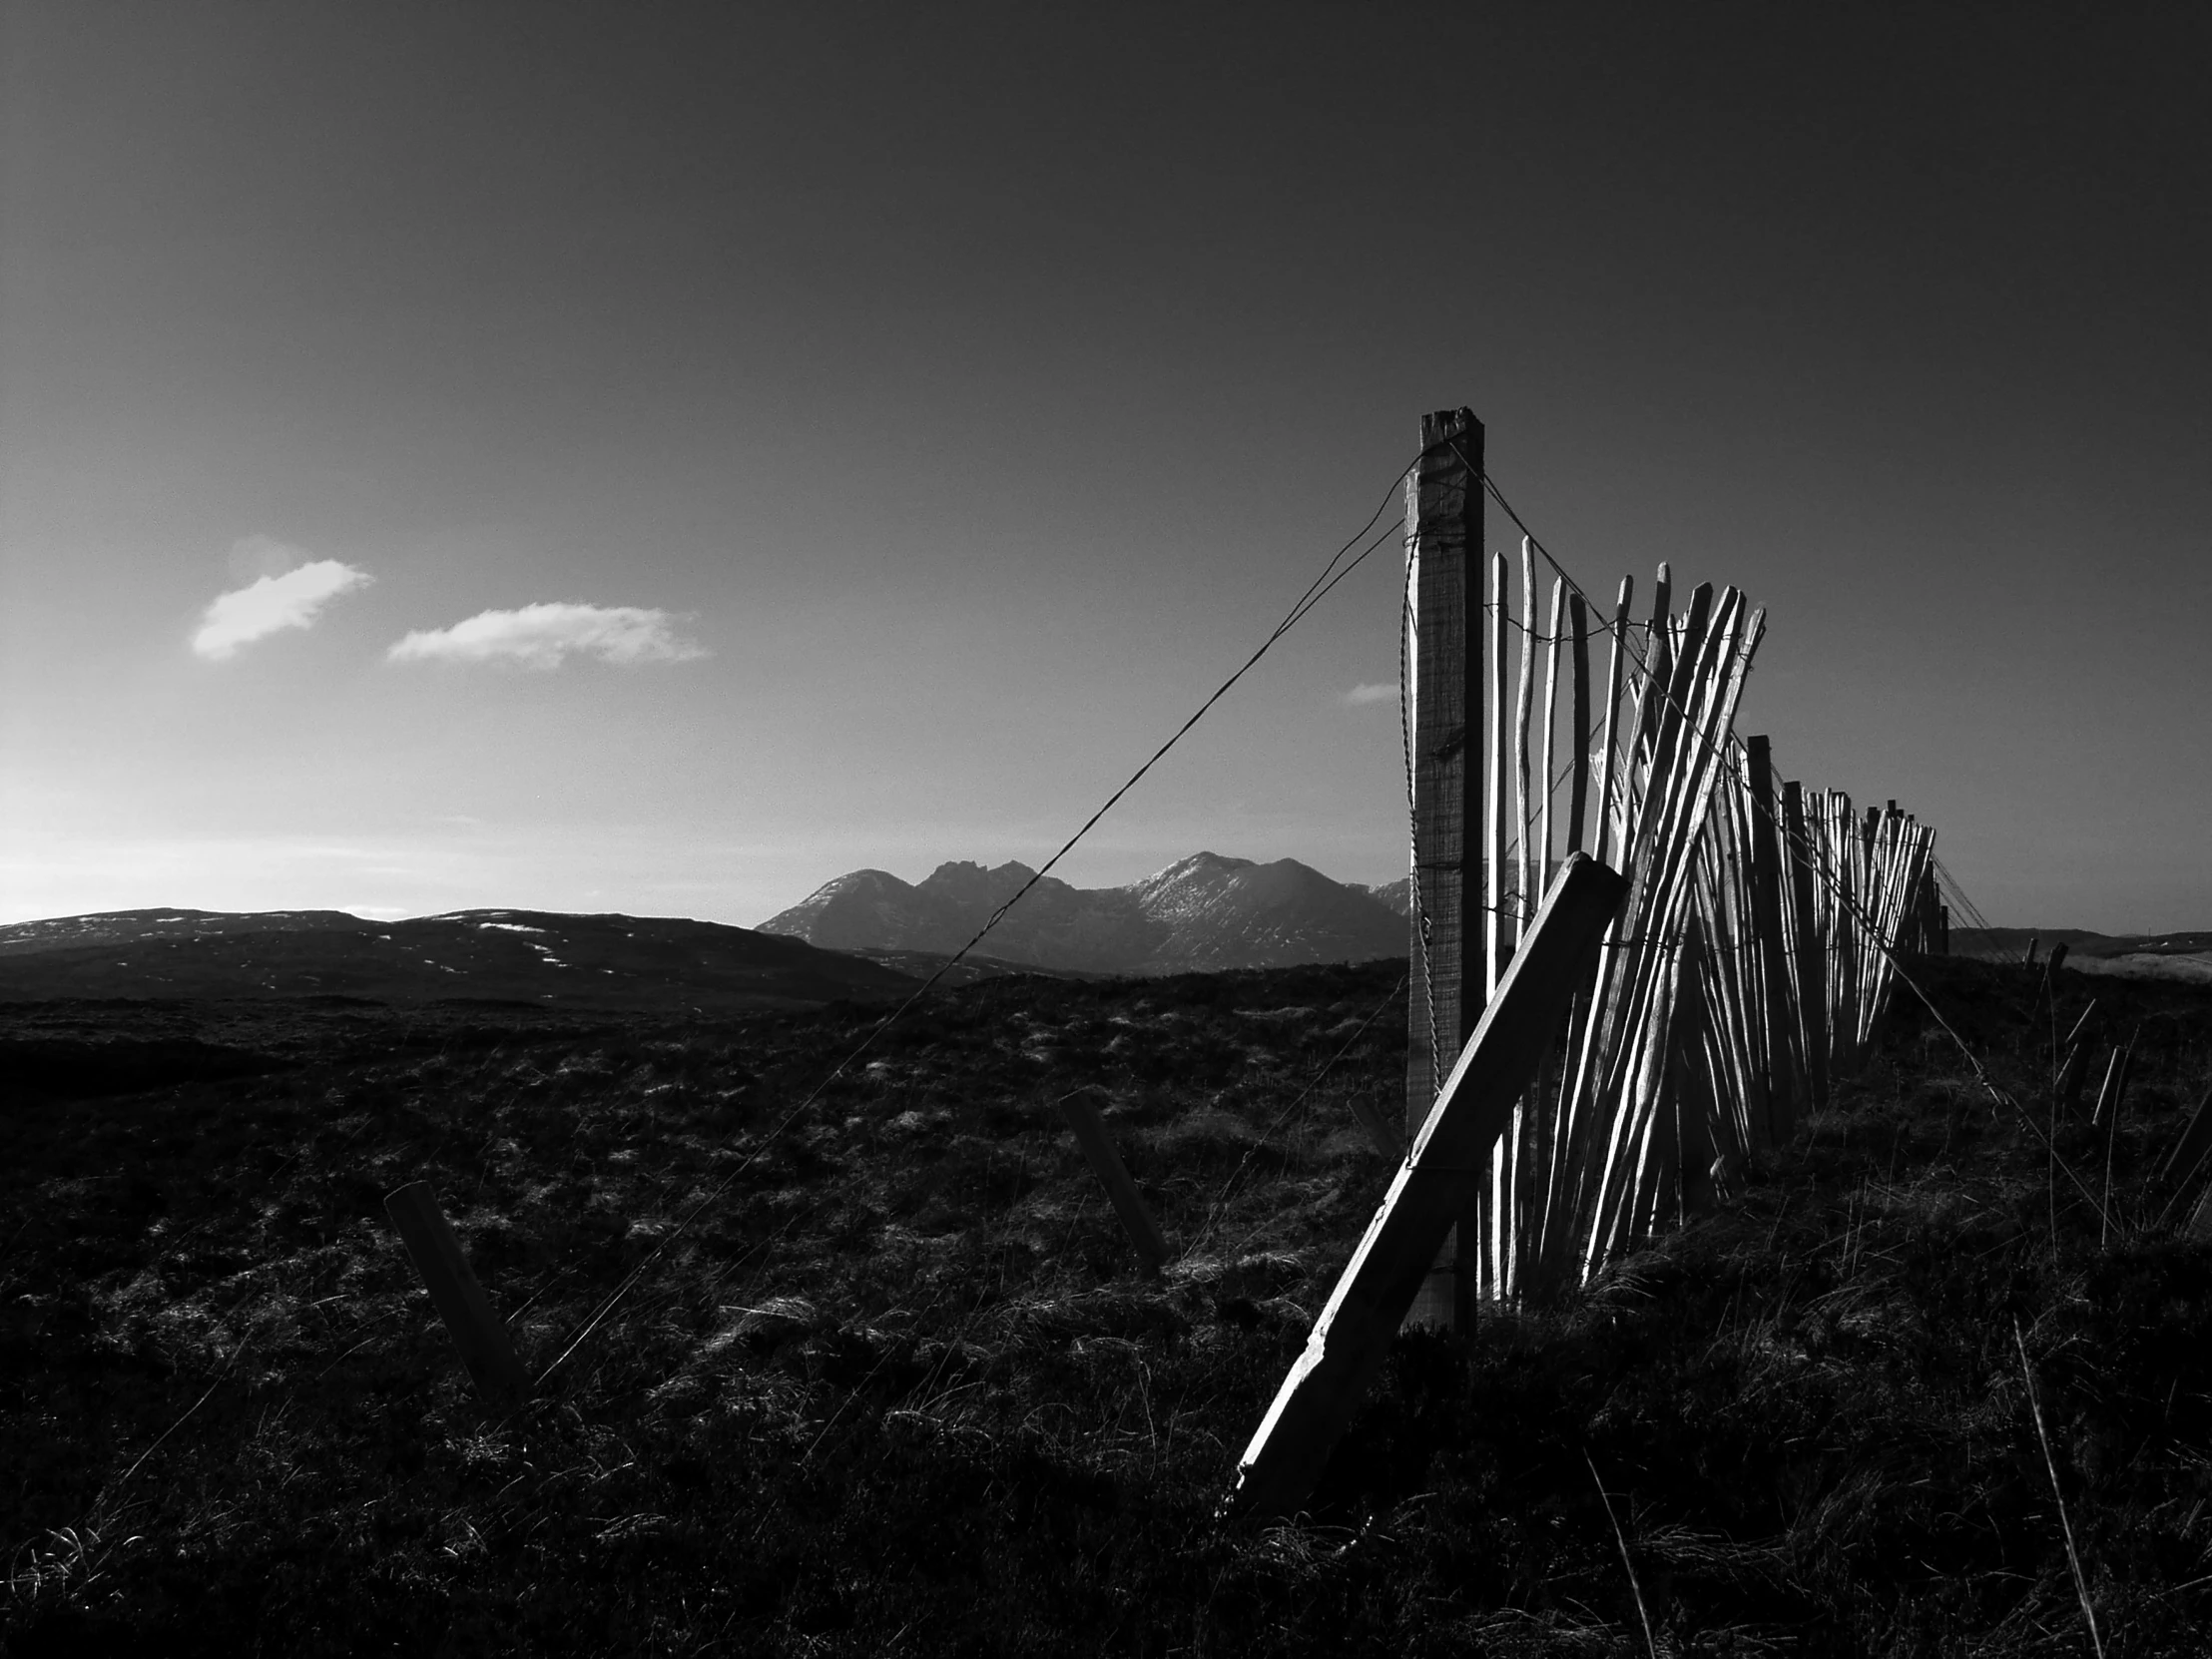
x=1748 y=966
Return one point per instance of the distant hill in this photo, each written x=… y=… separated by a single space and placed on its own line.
x=598 y=961
x=2186 y=956
x=1205 y=913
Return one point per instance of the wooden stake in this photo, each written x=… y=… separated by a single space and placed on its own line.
x=1524 y=816
x=1497 y=774
x=477 y=1331
x=1693 y=1093
x=1658 y=653
x=1098 y=1147
x=1579 y=628
x=1812 y=982
x=1611 y=774
x=1444 y=506
x=1544 y=737
x=1778 y=1015
x=1323 y=1387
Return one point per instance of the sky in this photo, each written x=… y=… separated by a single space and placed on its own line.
x=657 y=458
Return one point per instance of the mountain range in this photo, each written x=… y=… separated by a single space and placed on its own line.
x=1204 y=912
x=864 y=936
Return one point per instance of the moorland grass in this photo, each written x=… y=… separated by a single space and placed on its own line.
x=900 y=1390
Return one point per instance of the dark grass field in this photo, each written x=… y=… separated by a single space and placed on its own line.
x=899 y=1391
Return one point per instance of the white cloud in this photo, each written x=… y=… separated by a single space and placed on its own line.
x=291 y=600
x=542 y=636
x=1364 y=693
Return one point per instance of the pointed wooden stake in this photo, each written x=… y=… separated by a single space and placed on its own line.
x=476 y=1331
x=1348 y=1340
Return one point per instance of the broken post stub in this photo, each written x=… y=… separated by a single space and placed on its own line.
x=1323 y=1387
x=477 y=1331
x=1098 y=1147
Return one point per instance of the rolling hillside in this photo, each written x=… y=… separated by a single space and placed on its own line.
x=602 y=961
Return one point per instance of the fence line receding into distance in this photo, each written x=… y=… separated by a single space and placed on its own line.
x=1754 y=954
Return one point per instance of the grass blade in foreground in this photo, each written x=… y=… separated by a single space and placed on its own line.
x=1318 y=1398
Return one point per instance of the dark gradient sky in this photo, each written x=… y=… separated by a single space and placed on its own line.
x=977 y=384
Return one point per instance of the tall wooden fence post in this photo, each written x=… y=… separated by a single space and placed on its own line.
x=477 y=1331
x=1317 y=1398
x=1444 y=550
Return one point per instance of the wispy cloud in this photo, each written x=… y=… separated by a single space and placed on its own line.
x=1363 y=693
x=544 y=636
x=291 y=600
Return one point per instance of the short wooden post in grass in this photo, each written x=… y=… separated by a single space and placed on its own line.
x=1098 y=1147
x=476 y=1331
x=1317 y=1398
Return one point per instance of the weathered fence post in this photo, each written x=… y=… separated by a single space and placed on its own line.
x=1098 y=1147
x=1812 y=982
x=1777 y=1016
x=476 y=1331
x=1444 y=513
x=1363 y=1313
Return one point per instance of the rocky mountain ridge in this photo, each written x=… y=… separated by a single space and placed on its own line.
x=1205 y=913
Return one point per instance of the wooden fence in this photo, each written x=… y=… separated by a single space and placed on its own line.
x=1748 y=966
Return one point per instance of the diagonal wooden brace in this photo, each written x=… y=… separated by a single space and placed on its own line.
x=476 y=1331
x=1317 y=1398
